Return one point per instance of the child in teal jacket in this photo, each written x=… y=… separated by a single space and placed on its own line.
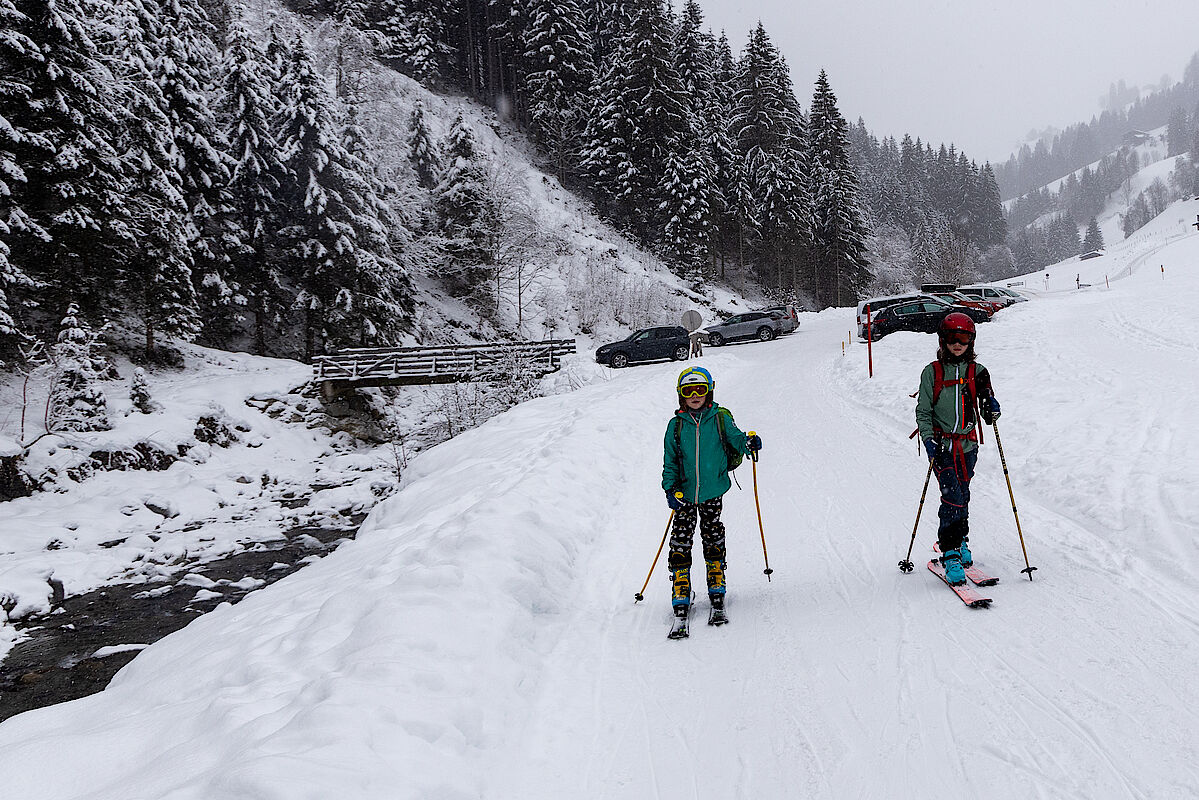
x=695 y=463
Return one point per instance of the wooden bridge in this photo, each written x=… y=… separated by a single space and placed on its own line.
x=407 y=366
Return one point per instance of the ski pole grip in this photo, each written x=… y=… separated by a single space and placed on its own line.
x=754 y=455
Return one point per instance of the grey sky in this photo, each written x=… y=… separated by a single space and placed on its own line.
x=983 y=78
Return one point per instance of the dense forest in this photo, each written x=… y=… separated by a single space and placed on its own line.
x=211 y=174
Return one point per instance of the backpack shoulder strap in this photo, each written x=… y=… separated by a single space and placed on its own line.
x=938 y=379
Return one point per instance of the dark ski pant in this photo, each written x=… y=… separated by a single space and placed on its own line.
x=711 y=532
x=954 y=512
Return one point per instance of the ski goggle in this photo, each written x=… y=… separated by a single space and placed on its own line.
x=959 y=337
x=693 y=390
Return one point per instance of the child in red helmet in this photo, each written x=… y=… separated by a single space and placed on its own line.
x=955 y=392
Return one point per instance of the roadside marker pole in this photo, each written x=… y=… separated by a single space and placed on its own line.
x=869 y=343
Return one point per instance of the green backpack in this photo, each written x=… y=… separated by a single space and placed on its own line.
x=735 y=457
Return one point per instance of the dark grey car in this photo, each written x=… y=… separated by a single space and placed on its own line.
x=646 y=344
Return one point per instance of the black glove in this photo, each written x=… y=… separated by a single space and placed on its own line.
x=930 y=447
x=989 y=410
x=675 y=503
x=754 y=443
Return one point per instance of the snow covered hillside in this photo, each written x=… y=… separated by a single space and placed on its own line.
x=479 y=639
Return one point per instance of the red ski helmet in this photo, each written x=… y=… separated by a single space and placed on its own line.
x=957 y=321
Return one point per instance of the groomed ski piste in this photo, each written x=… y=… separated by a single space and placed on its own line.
x=480 y=640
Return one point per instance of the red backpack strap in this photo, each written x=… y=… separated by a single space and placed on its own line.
x=938 y=379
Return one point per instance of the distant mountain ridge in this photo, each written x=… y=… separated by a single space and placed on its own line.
x=1085 y=143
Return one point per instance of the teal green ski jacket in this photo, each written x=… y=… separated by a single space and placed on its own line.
x=700 y=471
x=953 y=412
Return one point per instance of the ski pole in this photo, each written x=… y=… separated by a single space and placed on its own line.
x=641 y=595
x=1028 y=569
x=906 y=564
x=753 y=459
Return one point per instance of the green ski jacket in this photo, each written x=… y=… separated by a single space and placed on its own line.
x=700 y=471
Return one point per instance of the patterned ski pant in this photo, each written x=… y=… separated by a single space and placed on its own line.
x=954 y=512
x=711 y=532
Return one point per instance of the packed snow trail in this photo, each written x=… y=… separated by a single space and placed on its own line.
x=480 y=640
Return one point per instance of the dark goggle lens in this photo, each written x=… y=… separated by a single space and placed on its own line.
x=959 y=337
x=693 y=390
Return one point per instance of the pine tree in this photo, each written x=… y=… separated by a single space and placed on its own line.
x=421 y=150
x=839 y=230
x=687 y=207
x=186 y=70
x=640 y=118
x=139 y=393
x=76 y=403
x=558 y=72
x=1093 y=240
x=410 y=38
x=462 y=205
x=14 y=283
x=347 y=279
x=69 y=220
x=769 y=132
x=254 y=184
x=157 y=275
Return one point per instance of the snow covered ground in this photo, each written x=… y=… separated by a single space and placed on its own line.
x=212 y=502
x=479 y=639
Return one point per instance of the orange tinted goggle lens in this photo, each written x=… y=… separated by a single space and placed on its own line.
x=694 y=390
x=960 y=337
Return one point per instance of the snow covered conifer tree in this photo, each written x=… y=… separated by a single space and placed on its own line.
x=68 y=220
x=640 y=117
x=331 y=240
x=462 y=204
x=14 y=46
x=254 y=181
x=558 y=72
x=76 y=402
x=421 y=150
x=839 y=230
x=186 y=72
x=157 y=274
x=139 y=393
x=410 y=38
x=687 y=206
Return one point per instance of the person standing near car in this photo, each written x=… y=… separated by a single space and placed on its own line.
x=955 y=392
x=701 y=442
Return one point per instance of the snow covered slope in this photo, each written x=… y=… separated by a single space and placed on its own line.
x=479 y=639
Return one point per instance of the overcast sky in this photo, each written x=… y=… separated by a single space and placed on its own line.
x=979 y=74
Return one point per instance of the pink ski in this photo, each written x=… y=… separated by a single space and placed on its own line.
x=967 y=595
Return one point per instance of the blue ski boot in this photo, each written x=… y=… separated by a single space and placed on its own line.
x=964 y=554
x=954 y=574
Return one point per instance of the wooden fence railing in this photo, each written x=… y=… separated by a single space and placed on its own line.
x=399 y=366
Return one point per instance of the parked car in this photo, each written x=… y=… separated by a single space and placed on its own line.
x=921 y=315
x=761 y=325
x=786 y=315
x=937 y=288
x=647 y=344
x=877 y=304
x=1019 y=298
x=987 y=293
x=957 y=298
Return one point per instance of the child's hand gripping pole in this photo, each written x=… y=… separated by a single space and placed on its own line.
x=753 y=458
x=637 y=598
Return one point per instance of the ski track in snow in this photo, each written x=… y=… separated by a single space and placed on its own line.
x=479 y=639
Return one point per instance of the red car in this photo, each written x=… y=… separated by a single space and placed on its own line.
x=959 y=299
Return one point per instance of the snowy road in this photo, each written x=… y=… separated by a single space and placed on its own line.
x=479 y=639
